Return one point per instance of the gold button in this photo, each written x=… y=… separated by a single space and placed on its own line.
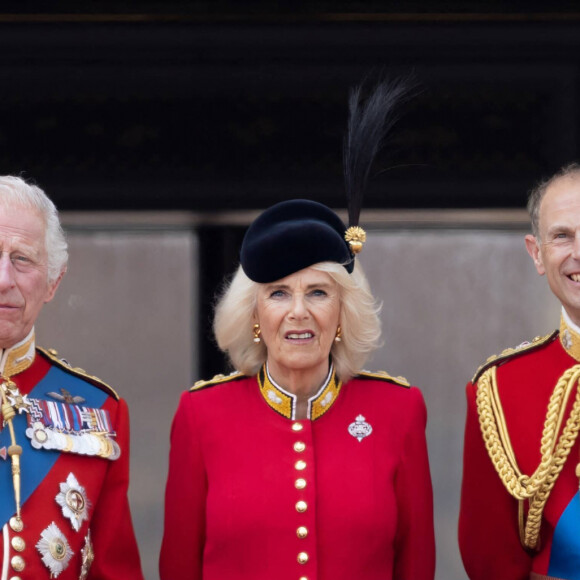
x=299 y=446
x=301 y=506
x=15 y=578
x=300 y=483
x=16 y=524
x=18 y=543
x=302 y=558
x=17 y=563
x=297 y=426
x=302 y=532
x=300 y=465
x=303 y=578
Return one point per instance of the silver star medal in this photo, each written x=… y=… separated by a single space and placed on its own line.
x=54 y=549
x=360 y=428
x=74 y=502
x=20 y=402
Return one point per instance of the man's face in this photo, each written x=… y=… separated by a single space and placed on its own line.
x=24 y=286
x=557 y=252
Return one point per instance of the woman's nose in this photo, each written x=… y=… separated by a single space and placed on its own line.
x=298 y=307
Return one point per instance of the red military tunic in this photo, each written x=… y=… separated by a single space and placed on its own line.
x=489 y=529
x=252 y=493
x=75 y=520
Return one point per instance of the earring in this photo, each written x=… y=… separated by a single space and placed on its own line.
x=338 y=336
x=257 y=333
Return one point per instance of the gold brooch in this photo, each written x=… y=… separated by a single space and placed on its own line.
x=356 y=237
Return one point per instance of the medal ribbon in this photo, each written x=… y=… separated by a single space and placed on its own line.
x=36 y=463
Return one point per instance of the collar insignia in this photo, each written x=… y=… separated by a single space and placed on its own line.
x=17 y=358
x=284 y=402
x=570 y=339
x=360 y=429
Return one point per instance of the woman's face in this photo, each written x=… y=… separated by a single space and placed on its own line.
x=298 y=317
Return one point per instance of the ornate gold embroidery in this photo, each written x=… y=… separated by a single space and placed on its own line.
x=570 y=339
x=284 y=403
x=356 y=237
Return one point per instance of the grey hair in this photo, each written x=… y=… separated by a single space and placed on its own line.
x=359 y=321
x=15 y=191
x=536 y=194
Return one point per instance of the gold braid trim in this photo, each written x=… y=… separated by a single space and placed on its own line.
x=554 y=451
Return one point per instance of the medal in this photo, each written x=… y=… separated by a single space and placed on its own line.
x=88 y=555
x=73 y=501
x=54 y=549
x=71 y=428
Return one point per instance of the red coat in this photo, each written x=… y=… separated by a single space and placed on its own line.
x=488 y=522
x=98 y=486
x=252 y=493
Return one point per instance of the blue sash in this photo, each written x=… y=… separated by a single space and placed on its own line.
x=565 y=555
x=36 y=463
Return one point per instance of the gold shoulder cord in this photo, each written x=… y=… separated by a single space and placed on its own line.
x=536 y=487
x=14 y=450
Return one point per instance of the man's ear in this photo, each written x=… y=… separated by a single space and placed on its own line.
x=533 y=247
x=52 y=287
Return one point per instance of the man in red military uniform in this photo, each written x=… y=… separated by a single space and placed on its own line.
x=520 y=505
x=64 y=441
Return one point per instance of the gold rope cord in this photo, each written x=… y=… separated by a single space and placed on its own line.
x=14 y=450
x=554 y=451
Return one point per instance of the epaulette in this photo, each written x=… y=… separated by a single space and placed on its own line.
x=384 y=376
x=216 y=380
x=51 y=355
x=511 y=353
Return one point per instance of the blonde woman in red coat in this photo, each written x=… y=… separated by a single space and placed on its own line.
x=299 y=466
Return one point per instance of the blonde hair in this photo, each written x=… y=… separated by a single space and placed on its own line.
x=359 y=321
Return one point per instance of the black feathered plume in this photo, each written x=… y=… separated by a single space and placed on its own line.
x=368 y=124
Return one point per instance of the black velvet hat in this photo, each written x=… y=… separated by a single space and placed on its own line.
x=293 y=235
x=296 y=234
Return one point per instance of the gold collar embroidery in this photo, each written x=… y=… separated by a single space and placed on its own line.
x=284 y=402
x=570 y=338
x=17 y=358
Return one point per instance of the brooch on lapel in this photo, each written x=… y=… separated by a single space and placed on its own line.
x=360 y=428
